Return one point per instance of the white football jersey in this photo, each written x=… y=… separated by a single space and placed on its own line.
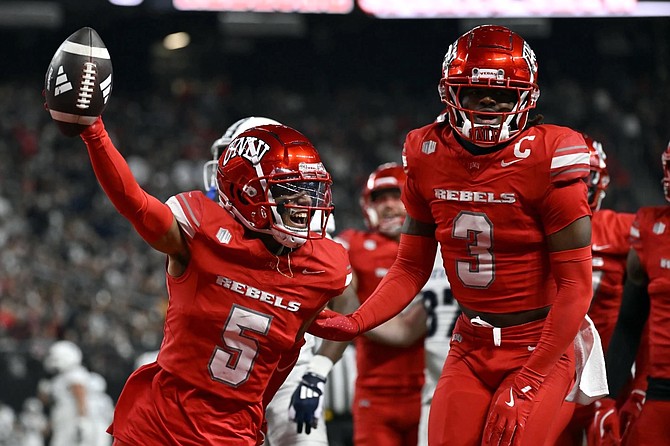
x=68 y=428
x=442 y=312
x=101 y=410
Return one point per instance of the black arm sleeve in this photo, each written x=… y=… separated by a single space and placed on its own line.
x=626 y=338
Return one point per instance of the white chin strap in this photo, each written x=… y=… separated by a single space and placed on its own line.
x=467 y=126
x=601 y=196
x=289 y=240
x=504 y=131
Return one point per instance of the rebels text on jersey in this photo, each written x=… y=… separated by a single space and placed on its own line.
x=650 y=237
x=609 y=245
x=493 y=211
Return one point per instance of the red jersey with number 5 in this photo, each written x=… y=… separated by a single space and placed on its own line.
x=494 y=211
x=609 y=245
x=231 y=316
x=650 y=237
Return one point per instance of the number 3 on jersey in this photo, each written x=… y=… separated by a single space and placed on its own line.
x=232 y=363
x=476 y=271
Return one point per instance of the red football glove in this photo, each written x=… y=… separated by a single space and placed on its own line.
x=507 y=418
x=604 y=430
x=335 y=326
x=631 y=409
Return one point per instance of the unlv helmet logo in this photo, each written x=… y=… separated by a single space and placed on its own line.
x=449 y=57
x=531 y=60
x=249 y=147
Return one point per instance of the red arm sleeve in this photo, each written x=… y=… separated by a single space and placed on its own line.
x=572 y=271
x=408 y=274
x=151 y=218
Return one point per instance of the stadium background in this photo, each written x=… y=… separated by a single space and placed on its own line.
x=71 y=267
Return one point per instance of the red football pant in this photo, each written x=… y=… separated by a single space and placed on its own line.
x=476 y=371
x=388 y=420
x=575 y=431
x=157 y=409
x=652 y=428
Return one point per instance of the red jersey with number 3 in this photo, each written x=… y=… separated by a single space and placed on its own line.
x=494 y=211
x=609 y=245
x=231 y=316
x=380 y=367
x=650 y=237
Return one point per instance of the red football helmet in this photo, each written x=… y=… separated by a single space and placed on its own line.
x=386 y=176
x=272 y=180
x=665 y=159
x=599 y=178
x=489 y=56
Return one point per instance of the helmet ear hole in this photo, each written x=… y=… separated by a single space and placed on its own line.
x=241 y=196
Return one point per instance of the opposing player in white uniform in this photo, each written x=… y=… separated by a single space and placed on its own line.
x=71 y=423
x=280 y=432
x=101 y=409
x=33 y=423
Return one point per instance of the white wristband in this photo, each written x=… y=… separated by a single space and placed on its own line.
x=320 y=366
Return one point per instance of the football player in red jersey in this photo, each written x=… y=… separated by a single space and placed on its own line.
x=239 y=297
x=387 y=373
x=280 y=430
x=646 y=299
x=609 y=248
x=389 y=359
x=505 y=198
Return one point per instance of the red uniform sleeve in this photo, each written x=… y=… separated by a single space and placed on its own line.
x=559 y=207
x=414 y=202
x=570 y=160
x=151 y=218
x=572 y=272
x=634 y=236
x=409 y=273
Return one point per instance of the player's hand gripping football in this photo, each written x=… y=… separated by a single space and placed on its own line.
x=78 y=82
x=306 y=406
x=508 y=415
x=332 y=325
x=604 y=429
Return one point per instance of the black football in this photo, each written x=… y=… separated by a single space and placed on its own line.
x=78 y=82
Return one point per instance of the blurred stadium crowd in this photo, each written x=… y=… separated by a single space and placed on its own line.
x=71 y=267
